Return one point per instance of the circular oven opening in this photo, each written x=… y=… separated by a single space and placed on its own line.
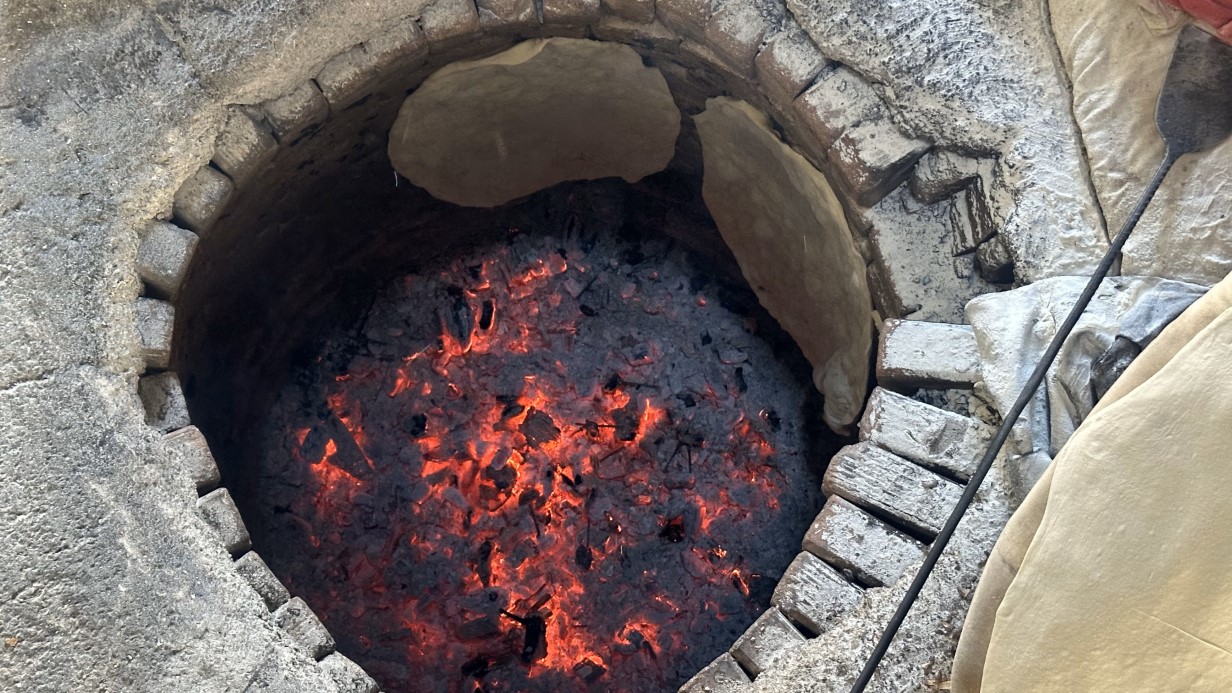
x=552 y=438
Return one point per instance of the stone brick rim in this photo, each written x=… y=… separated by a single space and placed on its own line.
x=203 y=197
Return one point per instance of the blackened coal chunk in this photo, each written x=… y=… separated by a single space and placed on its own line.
x=687 y=400
x=460 y=318
x=591 y=428
x=511 y=410
x=479 y=628
x=538 y=428
x=627 y=420
x=534 y=644
x=612 y=383
x=502 y=476
x=742 y=386
x=589 y=670
x=477 y=667
x=587 y=310
x=483 y=562
x=584 y=557
x=313 y=447
x=415 y=425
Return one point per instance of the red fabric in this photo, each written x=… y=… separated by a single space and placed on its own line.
x=1215 y=13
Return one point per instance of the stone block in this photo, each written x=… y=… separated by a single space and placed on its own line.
x=262 y=580
x=348 y=675
x=723 y=675
x=886 y=299
x=447 y=22
x=401 y=46
x=701 y=61
x=507 y=15
x=201 y=199
x=788 y=64
x=915 y=354
x=814 y=595
x=941 y=173
x=163 y=400
x=641 y=11
x=965 y=238
x=654 y=36
x=242 y=146
x=735 y=31
x=971 y=218
x=347 y=77
x=219 y=512
x=193 y=450
x=894 y=488
x=571 y=12
x=155 y=323
x=298 y=113
x=163 y=257
x=305 y=629
x=938 y=439
x=770 y=637
x=873 y=157
x=838 y=100
x=686 y=17
x=994 y=261
x=854 y=541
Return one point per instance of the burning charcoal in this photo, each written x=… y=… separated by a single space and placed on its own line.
x=313 y=447
x=511 y=410
x=479 y=628
x=416 y=425
x=591 y=428
x=589 y=670
x=483 y=562
x=627 y=420
x=539 y=428
x=632 y=643
x=639 y=354
x=583 y=557
x=673 y=529
x=732 y=356
x=611 y=466
x=534 y=644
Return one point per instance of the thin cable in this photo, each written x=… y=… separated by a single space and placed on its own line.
x=1007 y=424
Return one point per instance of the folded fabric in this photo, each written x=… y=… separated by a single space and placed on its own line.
x=1113 y=575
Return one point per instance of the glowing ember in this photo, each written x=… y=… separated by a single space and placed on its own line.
x=547 y=467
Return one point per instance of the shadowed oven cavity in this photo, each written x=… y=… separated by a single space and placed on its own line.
x=505 y=421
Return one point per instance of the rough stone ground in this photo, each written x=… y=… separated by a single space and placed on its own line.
x=110 y=582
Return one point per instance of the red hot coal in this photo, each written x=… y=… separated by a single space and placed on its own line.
x=554 y=464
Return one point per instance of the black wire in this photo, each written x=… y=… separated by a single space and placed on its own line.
x=1007 y=424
